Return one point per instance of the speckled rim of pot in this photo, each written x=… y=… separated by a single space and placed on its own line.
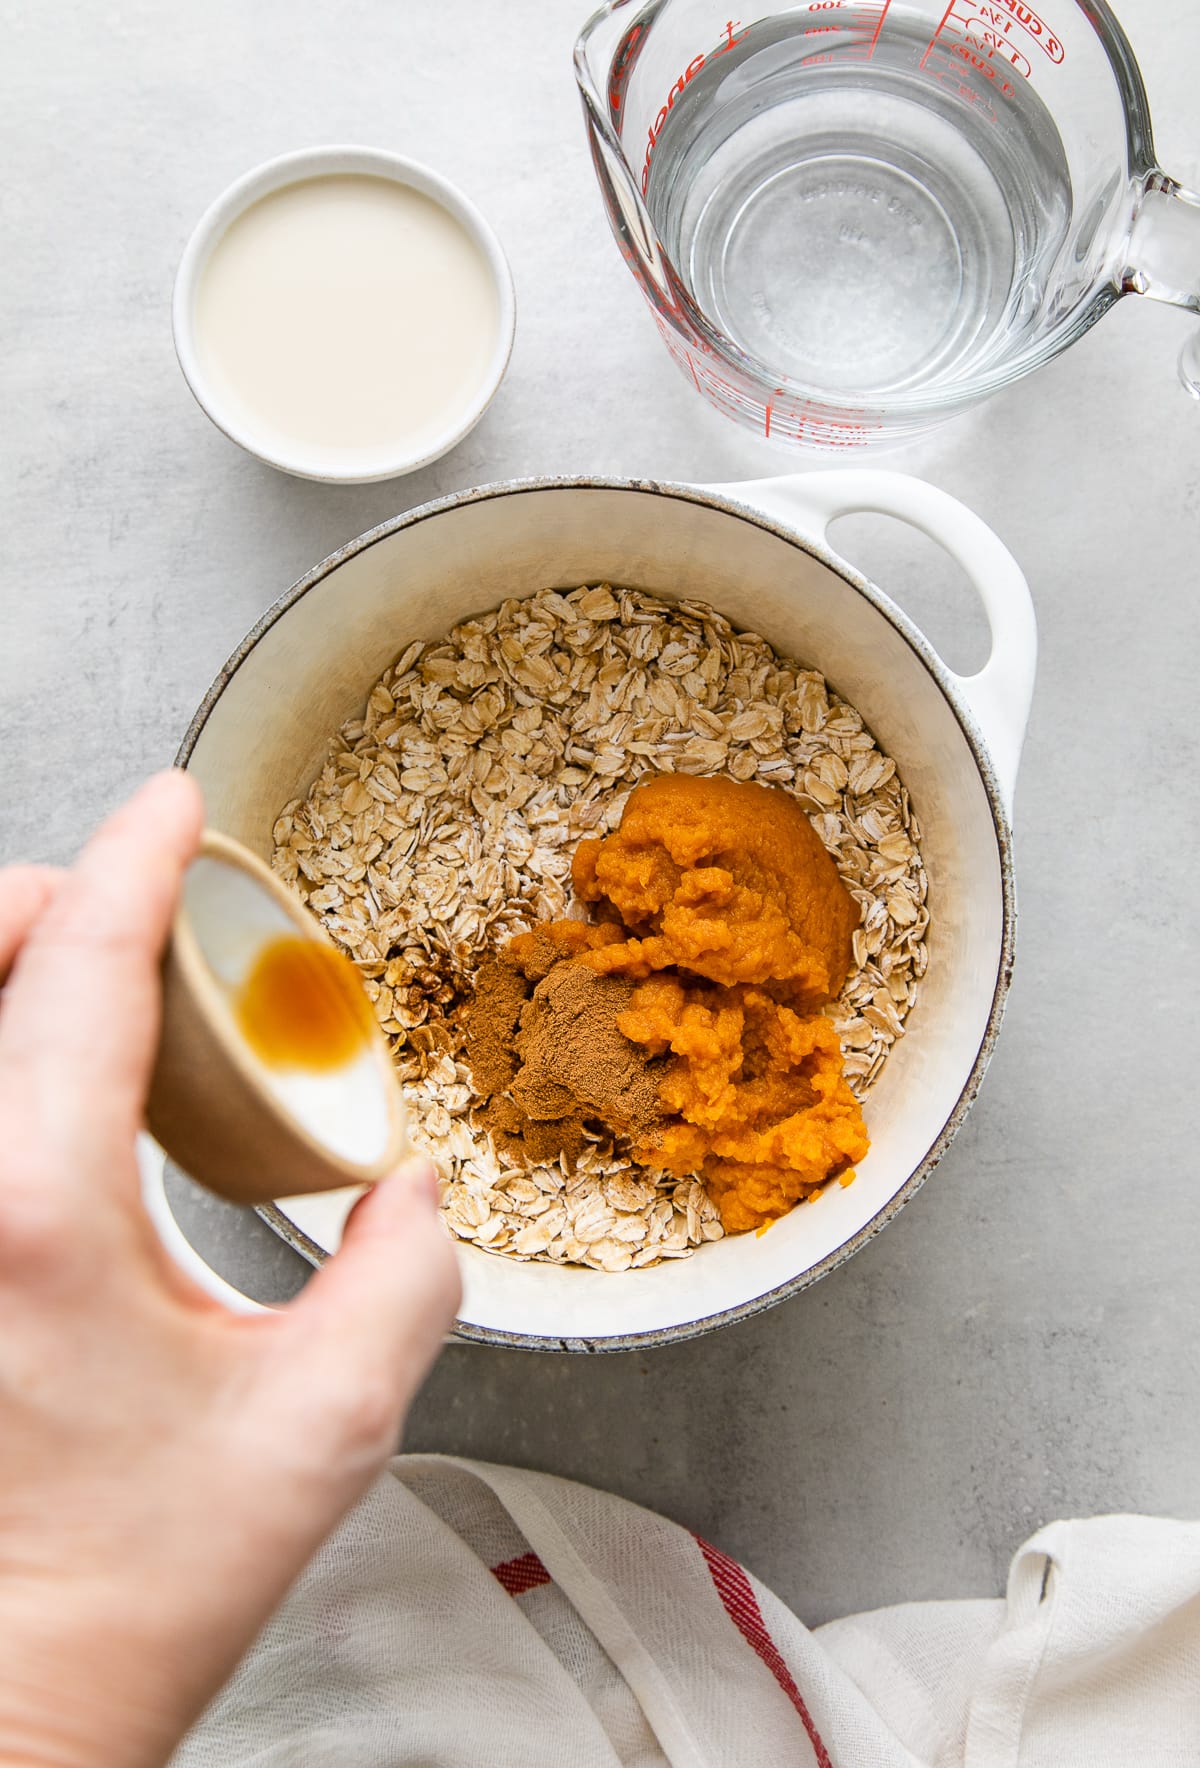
x=464 y=1331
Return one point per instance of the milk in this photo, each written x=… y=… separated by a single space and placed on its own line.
x=346 y=317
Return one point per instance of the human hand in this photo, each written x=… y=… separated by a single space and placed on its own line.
x=166 y=1467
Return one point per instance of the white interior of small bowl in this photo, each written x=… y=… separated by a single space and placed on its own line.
x=232 y=919
x=267 y=734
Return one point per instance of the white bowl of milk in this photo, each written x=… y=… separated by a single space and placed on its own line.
x=344 y=314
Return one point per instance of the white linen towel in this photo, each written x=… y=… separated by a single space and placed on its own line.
x=468 y=1616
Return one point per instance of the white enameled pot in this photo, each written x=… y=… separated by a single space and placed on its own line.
x=758 y=553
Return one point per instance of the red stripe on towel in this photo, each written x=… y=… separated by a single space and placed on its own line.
x=741 y=1605
x=519 y=1575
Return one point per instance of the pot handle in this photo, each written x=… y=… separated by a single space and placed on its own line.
x=999 y=696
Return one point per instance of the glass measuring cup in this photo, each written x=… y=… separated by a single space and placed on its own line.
x=854 y=218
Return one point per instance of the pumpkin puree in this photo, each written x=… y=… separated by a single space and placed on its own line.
x=719 y=900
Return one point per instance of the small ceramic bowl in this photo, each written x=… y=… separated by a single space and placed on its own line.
x=249 y=1124
x=297 y=168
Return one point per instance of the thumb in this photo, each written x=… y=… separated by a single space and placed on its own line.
x=374 y=1316
x=24 y=892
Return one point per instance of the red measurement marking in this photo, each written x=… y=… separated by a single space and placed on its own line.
x=787 y=419
x=983 y=62
x=957 y=79
x=987 y=41
x=883 y=12
x=933 y=41
x=1002 y=15
x=980 y=33
x=789 y=422
x=860 y=23
x=728 y=41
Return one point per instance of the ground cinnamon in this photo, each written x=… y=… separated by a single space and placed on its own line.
x=544 y=1049
x=490 y=1024
x=573 y=1056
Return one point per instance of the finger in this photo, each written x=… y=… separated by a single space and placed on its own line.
x=370 y=1323
x=25 y=892
x=80 y=1019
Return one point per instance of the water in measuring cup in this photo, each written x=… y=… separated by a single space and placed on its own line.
x=859 y=225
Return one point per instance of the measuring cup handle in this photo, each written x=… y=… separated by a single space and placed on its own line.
x=1164 y=257
x=999 y=695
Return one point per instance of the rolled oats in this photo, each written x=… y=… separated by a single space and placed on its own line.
x=445 y=818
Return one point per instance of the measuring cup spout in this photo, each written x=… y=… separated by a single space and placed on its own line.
x=1164 y=258
x=604 y=54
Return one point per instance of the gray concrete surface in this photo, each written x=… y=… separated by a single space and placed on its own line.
x=1021 y=1343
